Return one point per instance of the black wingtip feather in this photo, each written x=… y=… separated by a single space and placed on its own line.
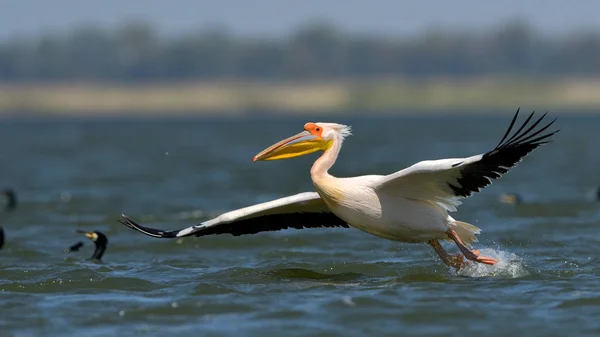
x=512 y=123
x=157 y=233
x=525 y=137
x=521 y=138
x=550 y=134
x=518 y=132
x=504 y=156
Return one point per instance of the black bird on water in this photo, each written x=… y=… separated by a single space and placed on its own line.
x=74 y=247
x=11 y=204
x=11 y=199
x=100 y=240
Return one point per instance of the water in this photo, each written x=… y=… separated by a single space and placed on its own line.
x=82 y=174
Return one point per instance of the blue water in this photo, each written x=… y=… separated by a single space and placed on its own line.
x=172 y=173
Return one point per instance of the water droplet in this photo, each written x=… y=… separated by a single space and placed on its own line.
x=167 y=153
x=122 y=313
x=174 y=305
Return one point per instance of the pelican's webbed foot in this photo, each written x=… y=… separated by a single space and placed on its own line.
x=472 y=255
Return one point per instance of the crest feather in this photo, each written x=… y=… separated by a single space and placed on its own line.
x=343 y=130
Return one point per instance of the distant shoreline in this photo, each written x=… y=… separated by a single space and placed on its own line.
x=239 y=98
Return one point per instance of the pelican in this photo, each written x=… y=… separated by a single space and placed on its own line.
x=411 y=205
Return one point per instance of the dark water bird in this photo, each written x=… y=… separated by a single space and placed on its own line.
x=74 y=248
x=11 y=199
x=11 y=204
x=99 y=239
x=410 y=205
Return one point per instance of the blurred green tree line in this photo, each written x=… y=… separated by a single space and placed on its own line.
x=136 y=52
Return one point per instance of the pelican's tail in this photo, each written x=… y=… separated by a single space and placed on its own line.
x=466 y=232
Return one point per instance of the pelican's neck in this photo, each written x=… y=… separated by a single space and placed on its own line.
x=322 y=165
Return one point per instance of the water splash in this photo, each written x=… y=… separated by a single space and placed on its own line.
x=509 y=266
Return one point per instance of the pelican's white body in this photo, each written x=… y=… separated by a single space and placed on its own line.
x=388 y=216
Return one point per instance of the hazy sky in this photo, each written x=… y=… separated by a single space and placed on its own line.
x=279 y=17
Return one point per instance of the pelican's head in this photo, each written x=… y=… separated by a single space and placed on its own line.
x=315 y=137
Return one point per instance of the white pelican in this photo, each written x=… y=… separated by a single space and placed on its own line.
x=410 y=205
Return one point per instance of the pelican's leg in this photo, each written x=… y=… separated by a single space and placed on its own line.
x=469 y=254
x=455 y=261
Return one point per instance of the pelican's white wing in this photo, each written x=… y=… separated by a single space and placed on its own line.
x=445 y=181
x=304 y=210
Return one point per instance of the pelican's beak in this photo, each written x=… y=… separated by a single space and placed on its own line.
x=298 y=145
